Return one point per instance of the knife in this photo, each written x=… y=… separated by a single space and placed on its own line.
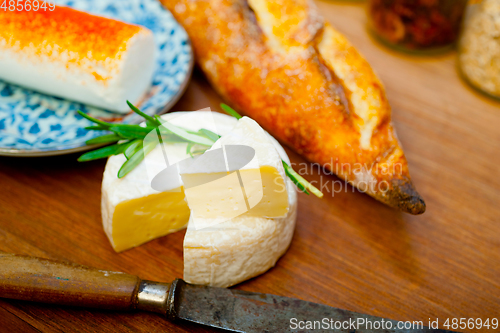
x=56 y=282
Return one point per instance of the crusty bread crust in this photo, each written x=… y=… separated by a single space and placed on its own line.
x=299 y=78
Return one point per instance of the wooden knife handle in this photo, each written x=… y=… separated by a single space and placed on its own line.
x=49 y=281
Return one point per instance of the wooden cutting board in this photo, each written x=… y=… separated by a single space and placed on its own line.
x=348 y=251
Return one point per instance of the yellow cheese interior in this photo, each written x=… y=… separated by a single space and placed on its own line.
x=140 y=220
x=274 y=202
x=264 y=192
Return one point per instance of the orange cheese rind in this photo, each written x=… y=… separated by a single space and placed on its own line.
x=51 y=50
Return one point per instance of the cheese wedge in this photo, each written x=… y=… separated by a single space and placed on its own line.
x=133 y=212
x=78 y=56
x=223 y=254
x=241 y=173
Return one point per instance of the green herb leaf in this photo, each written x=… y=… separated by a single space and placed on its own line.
x=103 y=152
x=172 y=138
x=209 y=134
x=297 y=179
x=132 y=148
x=201 y=140
x=229 y=110
x=131 y=163
x=135 y=159
x=158 y=118
x=199 y=151
x=96 y=128
x=97 y=121
x=104 y=139
x=150 y=121
x=131 y=131
x=188 y=149
x=167 y=136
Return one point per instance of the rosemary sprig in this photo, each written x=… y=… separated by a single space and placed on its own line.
x=104 y=152
x=209 y=134
x=230 y=111
x=194 y=138
x=301 y=183
x=150 y=121
x=104 y=139
x=131 y=141
x=298 y=180
x=133 y=148
x=136 y=158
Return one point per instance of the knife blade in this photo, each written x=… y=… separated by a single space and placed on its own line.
x=243 y=311
x=49 y=281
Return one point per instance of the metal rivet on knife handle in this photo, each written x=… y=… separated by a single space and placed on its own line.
x=153 y=296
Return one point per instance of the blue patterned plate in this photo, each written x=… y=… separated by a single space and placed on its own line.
x=34 y=124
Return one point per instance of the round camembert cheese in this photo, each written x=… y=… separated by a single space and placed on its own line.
x=222 y=254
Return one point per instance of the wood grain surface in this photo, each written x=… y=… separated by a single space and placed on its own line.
x=348 y=251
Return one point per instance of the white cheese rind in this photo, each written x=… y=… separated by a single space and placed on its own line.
x=234 y=251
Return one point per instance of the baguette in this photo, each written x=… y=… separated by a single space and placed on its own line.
x=281 y=64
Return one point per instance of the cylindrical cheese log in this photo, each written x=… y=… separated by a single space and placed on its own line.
x=77 y=56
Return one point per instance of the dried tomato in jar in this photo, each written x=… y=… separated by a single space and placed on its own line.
x=416 y=25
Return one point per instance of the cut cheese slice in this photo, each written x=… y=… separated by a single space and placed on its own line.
x=221 y=255
x=135 y=221
x=241 y=173
x=78 y=56
x=133 y=213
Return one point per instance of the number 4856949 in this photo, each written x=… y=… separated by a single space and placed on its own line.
x=471 y=323
x=26 y=5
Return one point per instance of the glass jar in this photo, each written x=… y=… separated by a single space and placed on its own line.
x=416 y=26
x=479 y=47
